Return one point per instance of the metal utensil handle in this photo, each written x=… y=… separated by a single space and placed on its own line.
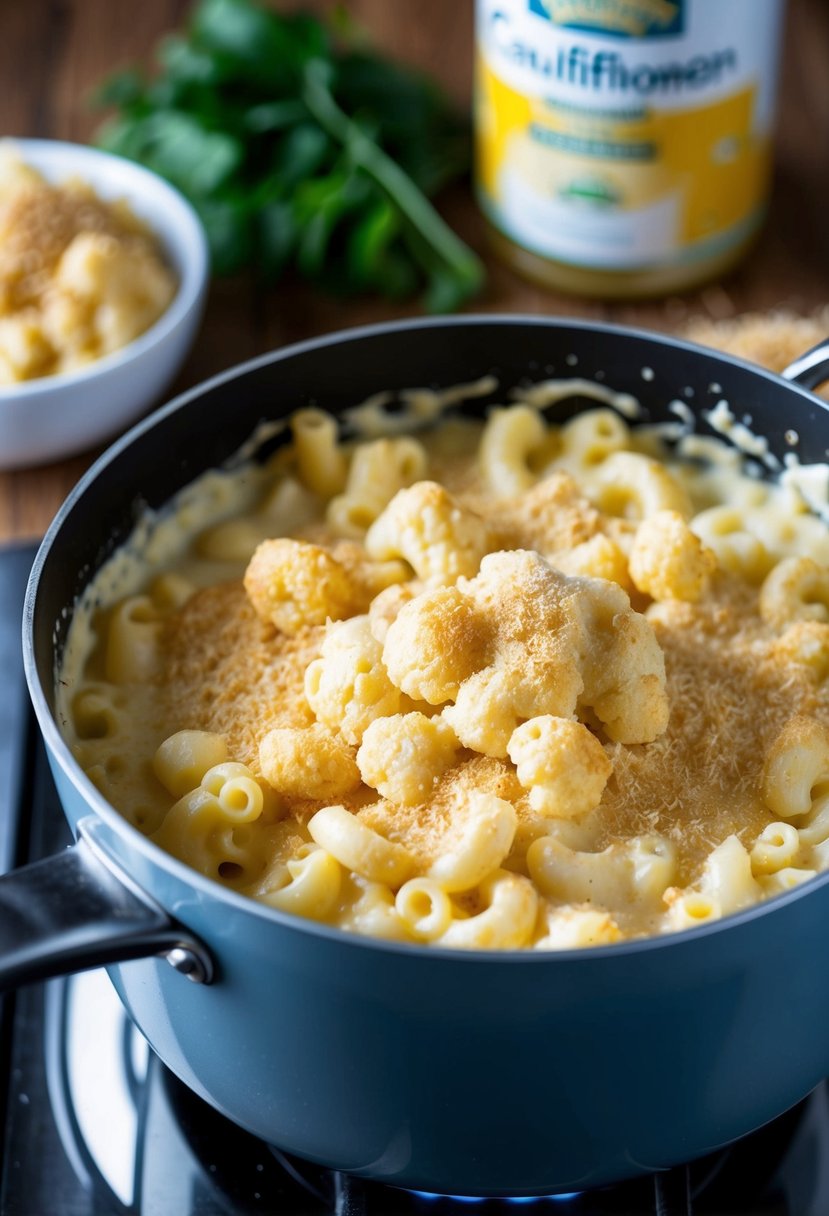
x=812 y=368
x=74 y=911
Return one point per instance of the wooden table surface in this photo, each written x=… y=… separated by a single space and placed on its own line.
x=52 y=52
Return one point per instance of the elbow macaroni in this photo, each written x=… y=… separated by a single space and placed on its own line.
x=408 y=728
x=510 y=438
x=378 y=470
x=320 y=459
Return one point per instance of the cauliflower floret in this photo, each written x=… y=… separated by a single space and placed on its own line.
x=403 y=756
x=599 y=557
x=521 y=640
x=668 y=562
x=67 y=323
x=130 y=288
x=553 y=517
x=292 y=584
x=369 y=578
x=484 y=714
x=623 y=667
x=562 y=764
x=434 y=644
x=348 y=686
x=308 y=762
x=15 y=174
x=385 y=607
x=440 y=539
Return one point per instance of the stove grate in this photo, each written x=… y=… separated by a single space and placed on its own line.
x=672 y=1192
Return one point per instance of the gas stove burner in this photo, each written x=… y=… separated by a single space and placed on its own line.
x=348 y=1195
x=95 y=1125
x=343 y=1193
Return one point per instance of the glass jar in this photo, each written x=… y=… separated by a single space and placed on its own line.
x=623 y=147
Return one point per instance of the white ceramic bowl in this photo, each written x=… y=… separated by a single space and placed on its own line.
x=56 y=416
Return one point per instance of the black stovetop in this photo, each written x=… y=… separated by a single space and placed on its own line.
x=94 y=1125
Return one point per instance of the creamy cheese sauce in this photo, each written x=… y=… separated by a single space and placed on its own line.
x=166 y=638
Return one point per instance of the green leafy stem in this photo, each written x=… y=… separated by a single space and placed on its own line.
x=302 y=151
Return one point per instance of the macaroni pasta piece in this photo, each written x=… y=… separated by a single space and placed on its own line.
x=206 y=826
x=506 y=922
x=182 y=760
x=307 y=884
x=321 y=461
x=424 y=908
x=378 y=470
x=478 y=842
x=588 y=439
x=510 y=439
x=797 y=762
x=359 y=848
x=631 y=486
x=132 y=654
x=797 y=589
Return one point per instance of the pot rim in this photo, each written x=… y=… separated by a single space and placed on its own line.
x=206 y=887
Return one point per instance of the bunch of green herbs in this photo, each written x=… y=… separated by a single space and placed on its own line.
x=301 y=149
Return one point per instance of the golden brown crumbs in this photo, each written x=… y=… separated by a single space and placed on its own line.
x=36 y=226
x=552 y=517
x=773 y=339
x=730 y=693
x=424 y=828
x=227 y=671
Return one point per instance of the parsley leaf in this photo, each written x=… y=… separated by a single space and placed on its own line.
x=301 y=150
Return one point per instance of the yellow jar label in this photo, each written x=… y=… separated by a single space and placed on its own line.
x=625 y=134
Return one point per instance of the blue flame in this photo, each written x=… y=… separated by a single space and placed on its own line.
x=430 y=1195
x=513 y=1201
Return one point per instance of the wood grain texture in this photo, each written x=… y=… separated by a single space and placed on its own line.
x=53 y=53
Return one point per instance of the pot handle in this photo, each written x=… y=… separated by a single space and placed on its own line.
x=74 y=911
x=812 y=368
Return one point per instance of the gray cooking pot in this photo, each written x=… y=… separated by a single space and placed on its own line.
x=480 y=1073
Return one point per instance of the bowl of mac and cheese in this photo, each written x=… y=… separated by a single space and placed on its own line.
x=469 y=716
x=102 y=276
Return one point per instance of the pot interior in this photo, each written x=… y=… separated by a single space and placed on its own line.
x=202 y=429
